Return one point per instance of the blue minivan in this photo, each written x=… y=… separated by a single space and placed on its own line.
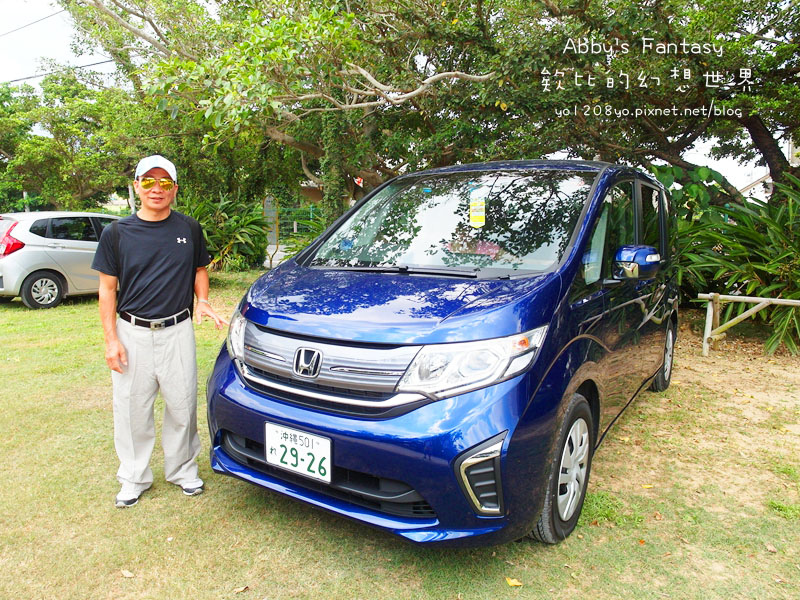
x=443 y=361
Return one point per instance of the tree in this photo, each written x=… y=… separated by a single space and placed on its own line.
x=16 y=105
x=280 y=68
x=88 y=139
x=704 y=53
x=422 y=83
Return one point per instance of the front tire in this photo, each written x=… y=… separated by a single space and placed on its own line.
x=569 y=474
x=664 y=375
x=42 y=290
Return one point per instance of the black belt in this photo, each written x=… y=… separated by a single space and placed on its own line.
x=155 y=323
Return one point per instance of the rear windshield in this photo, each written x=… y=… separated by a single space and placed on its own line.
x=499 y=221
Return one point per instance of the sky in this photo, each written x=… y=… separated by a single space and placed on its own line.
x=22 y=51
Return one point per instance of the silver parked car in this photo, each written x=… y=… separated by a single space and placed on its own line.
x=45 y=256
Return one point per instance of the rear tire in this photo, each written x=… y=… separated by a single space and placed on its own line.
x=664 y=375
x=569 y=474
x=42 y=290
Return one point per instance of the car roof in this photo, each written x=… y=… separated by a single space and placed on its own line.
x=524 y=165
x=585 y=166
x=49 y=214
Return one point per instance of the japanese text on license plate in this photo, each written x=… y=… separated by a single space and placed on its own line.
x=298 y=451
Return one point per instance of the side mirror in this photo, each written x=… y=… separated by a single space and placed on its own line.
x=636 y=262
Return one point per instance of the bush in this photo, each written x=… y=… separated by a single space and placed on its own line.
x=754 y=250
x=309 y=231
x=235 y=230
x=11 y=203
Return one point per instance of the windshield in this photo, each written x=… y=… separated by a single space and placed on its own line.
x=506 y=220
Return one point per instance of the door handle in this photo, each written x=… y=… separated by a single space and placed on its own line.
x=55 y=245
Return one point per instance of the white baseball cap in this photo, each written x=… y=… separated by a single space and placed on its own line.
x=154 y=162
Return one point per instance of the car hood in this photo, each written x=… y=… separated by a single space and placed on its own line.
x=397 y=308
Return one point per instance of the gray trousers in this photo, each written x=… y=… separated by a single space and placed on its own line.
x=158 y=359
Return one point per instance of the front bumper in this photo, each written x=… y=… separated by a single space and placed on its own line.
x=419 y=455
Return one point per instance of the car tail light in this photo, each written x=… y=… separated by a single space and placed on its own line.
x=9 y=244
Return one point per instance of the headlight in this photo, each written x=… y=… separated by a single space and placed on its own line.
x=235 y=342
x=444 y=370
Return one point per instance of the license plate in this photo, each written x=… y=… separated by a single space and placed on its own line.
x=299 y=452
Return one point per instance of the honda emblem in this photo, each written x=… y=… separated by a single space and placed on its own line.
x=307 y=362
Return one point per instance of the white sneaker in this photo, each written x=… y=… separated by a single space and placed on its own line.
x=192 y=491
x=127 y=498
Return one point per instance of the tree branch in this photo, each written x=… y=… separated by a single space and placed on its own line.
x=284 y=138
x=159 y=44
x=144 y=17
x=112 y=16
x=383 y=90
x=308 y=172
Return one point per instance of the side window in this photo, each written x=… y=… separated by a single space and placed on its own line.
x=651 y=222
x=613 y=228
x=620 y=222
x=73 y=228
x=102 y=223
x=593 y=257
x=39 y=228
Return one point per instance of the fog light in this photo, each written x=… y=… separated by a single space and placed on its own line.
x=478 y=473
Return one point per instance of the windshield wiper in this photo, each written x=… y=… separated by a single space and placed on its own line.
x=406 y=270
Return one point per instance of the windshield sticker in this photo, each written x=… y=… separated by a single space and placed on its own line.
x=477 y=205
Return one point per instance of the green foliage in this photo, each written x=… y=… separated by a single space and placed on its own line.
x=235 y=230
x=754 y=250
x=273 y=69
x=311 y=230
x=87 y=149
x=786 y=510
x=11 y=202
x=289 y=215
x=693 y=191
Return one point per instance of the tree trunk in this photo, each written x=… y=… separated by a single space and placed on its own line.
x=334 y=185
x=765 y=142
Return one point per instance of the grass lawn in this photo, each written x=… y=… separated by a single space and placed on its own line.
x=694 y=494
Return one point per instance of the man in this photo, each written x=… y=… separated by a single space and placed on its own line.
x=158 y=259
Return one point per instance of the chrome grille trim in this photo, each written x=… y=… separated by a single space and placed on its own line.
x=396 y=400
x=265 y=354
x=344 y=366
x=367 y=371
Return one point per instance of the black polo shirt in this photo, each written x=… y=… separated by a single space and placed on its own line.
x=156 y=265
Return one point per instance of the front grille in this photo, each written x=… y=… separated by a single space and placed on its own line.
x=387 y=496
x=351 y=402
x=352 y=379
x=315 y=387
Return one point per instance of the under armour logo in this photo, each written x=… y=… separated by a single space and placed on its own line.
x=181 y=240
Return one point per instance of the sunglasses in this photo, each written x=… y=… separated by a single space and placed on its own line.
x=165 y=184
